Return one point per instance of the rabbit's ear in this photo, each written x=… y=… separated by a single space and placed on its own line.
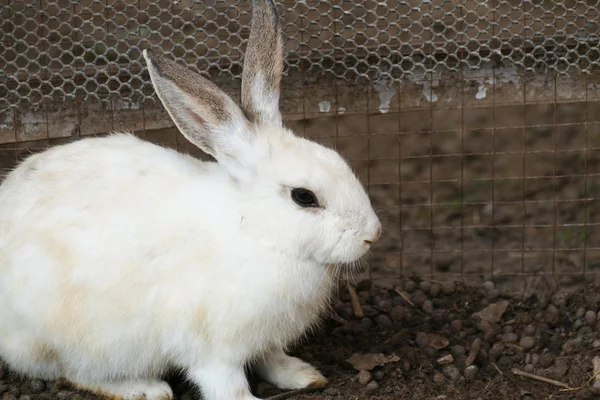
x=204 y=114
x=263 y=65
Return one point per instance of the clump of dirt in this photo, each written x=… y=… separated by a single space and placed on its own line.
x=429 y=340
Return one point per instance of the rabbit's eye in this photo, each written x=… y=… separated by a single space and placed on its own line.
x=304 y=197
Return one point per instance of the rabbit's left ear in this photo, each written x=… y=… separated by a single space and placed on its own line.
x=263 y=65
x=205 y=115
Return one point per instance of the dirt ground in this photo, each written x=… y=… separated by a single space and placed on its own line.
x=508 y=196
x=429 y=340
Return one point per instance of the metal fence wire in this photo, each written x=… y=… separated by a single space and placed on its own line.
x=475 y=124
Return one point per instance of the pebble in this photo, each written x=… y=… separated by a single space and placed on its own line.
x=456 y=325
x=535 y=359
x=418 y=298
x=530 y=330
x=438 y=378
x=489 y=285
x=378 y=375
x=569 y=347
x=546 y=360
x=471 y=372
x=425 y=286
x=510 y=338
x=368 y=322
x=447 y=359
x=24 y=397
x=551 y=315
x=560 y=369
x=372 y=386
x=422 y=340
x=527 y=342
x=458 y=351
x=493 y=294
x=427 y=307
x=580 y=312
x=3 y=389
x=559 y=299
x=590 y=317
x=577 y=324
x=529 y=368
x=364 y=377
x=448 y=288
x=410 y=287
x=399 y=313
x=451 y=372
x=436 y=290
x=384 y=321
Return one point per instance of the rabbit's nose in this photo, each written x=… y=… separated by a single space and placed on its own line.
x=375 y=238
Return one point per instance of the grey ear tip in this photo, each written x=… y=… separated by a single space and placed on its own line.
x=270 y=5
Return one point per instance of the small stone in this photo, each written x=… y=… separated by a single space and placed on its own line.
x=560 y=369
x=435 y=290
x=529 y=368
x=63 y=394
x=425 y=286
x=368 y=322
x=580 y=312
x=530 y=330
x=427 y=307
x=493 y=294
x=527 y=342
x=448 y=288
x=37 y=385
x=438 y=378
x=418 y=298
x=24 y=397
x=551 y=315
x=447 y=359
x=590 y=317
x=546 y=360
x=510 y=338
x=9 y=397
x=372 y=386
x=596 y=344
x=569 y=346
x=497 y=350
x=410 y=287
x=458 y=351
x=489 y=285
x=378 y=375
x=451 y=372
x=508 y=329
x=422 y=339
x=399 y=313
x=471 y=372
x=383 y=321
x=577 y=324
x=559 y=299
x=3 y=389
x=535 y=359
x=456 y=325
x=405 y=366
x=364 y=377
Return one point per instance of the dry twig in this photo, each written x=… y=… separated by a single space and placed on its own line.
x=356 y=307
x=474 y=352
x=404 y=297
x=540 y=378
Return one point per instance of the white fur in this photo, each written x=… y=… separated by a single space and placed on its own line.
x=120 y=259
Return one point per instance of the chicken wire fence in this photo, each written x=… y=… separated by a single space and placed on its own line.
x=475 y=125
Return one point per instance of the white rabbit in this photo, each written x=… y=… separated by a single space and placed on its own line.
x=121 y=259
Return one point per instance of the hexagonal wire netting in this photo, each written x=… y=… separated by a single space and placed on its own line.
x=475 y=124
x=93 y=48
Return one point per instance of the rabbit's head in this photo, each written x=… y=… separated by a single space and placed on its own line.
x=295 y=192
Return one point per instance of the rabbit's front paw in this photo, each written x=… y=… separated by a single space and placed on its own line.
x=287 y=372
x=130 y=390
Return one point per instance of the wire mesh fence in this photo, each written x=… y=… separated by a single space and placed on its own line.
x=474 y=124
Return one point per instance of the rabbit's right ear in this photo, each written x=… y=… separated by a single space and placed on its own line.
x=204 y=114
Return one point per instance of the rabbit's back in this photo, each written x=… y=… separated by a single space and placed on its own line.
x=82 y=248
